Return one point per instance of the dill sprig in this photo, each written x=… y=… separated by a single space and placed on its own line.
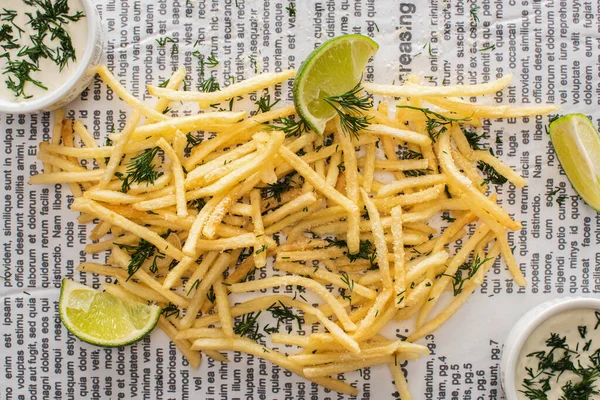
x=458 y=279
x=289 y=126
x=209 y=85
x=7 y=39
x=141 y=169
x=347 y=281
x=248 y=326
x=164 y=83
x=191 y=141
x=473 y=13
x=349 y=107
x=211 y=61
x=283 y=314
x=21 y=71
x=492 y=176
x=264 y=103
x=474 y=139
x=139 y=253
x=198 y=204
x=436 y=123
x=275 y=190
x=489 y=47
x=366 y=250
x=211 y=296
x=170 y=310
x=164 y=40
x=291 y=9
x=9 y=16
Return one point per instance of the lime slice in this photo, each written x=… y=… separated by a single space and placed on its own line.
x=331 y=69
x=577 y=145
x=102 y=319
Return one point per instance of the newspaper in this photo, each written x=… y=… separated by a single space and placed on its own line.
x=551 y=47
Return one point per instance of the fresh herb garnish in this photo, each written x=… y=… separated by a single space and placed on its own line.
x=473 y=13
x=289 y=126
x=192 y=141
x=349 y=107
x=141 y=169
x=366 y=250
x=21 y=71
x=139 y=253
x=283 y=314
x=291 y=9
x=458 y=280
x=164 y=40
x=492 y=176
x=198 y=204
x=436 y=123
x=248 y=326
x=275 y=190
x=474 y=139
x=170 y=310
x=209 y=85
x=264 y=103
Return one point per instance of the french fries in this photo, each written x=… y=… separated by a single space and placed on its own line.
x=179 y=215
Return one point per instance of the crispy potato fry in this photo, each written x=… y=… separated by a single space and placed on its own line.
x=237 y=89
x=438 y=91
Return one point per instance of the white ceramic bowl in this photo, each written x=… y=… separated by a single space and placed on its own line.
x=525 y=327
x=80 y=79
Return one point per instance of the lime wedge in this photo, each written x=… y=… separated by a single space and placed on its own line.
x=102 y=319
x=331 y=69
x=577 y=144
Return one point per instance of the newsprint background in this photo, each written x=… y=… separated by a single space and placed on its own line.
x=551 y=47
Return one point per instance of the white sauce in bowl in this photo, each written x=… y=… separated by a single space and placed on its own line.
x=19 y=44
x=544 y=364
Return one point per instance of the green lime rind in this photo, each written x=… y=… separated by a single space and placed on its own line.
x=101 y=319
x=577 y=145
x=331 y=69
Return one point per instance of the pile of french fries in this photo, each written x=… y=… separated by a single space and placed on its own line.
x=349 y=195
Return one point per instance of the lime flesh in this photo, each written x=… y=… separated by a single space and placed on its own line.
x=102 y=319
x=331 y=69
x=577 y=145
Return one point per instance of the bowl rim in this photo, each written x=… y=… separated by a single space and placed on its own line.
x=93 y=20
x=525 y=326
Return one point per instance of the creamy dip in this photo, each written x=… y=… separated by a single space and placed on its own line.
x=561 y=358
x=39 y=48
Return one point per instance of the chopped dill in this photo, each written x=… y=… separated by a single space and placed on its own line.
x=349 y=107
x=140 y=169
x=264 y=103
x=289 y=126
x=436 y=123
x=275 y=190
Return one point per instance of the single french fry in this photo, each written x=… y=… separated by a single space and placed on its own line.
x=127 y=97
x=177 y=176
x=379 y=238
x=237 y=89
x=438 y=91
x=399 y=262
x=223 y=309
x=401 y=185
x=399 y=380
x=260 y=253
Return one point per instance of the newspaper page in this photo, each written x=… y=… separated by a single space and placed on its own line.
x=551 y=47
